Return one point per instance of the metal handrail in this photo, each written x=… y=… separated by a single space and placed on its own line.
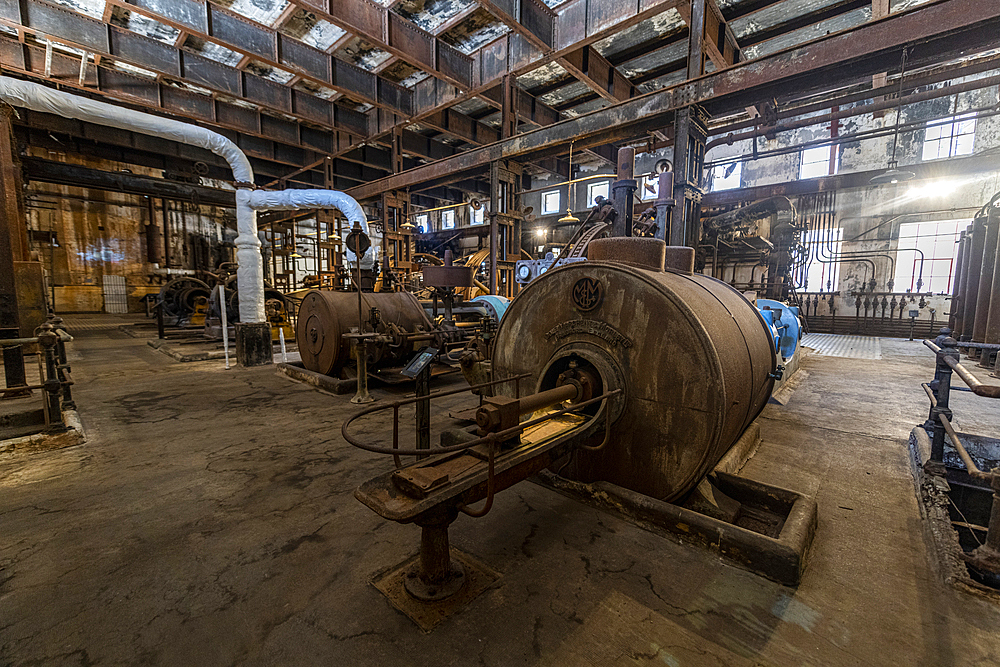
x=977 y=387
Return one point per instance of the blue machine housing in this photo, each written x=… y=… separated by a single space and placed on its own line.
x=495 y=305
x=785 y=325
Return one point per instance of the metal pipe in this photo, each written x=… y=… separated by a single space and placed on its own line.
x=989 y=264
x=953 y=315
x=975 y=269
x=977 y=387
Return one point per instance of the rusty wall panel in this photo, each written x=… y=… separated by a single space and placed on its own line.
x=522 y=53
x=63 y=66
x=210 y=73
x=602 y=14
x=309 y=106
x=10 y=10
x=120 y=83
x=453 y=63
x=256 y=146
x=351 y=120
x=144 y=51
x=354 y=78
x=395 y=97
x=571 y=23
x=509 y=7
x=317 y=139
x=279 y=129
x=538 y=18
x=494 y=59
x=304 y=58
x=192 y=14
x=292 y=155
x=12 y=54
x=425 y=94
x=67 y=24
x=417 y=44
x=234 y=116
x=175 y=99
x=364 y=15
x=244 y=34
x=266 y=92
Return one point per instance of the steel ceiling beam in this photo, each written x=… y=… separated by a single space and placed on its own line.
x=933 y=32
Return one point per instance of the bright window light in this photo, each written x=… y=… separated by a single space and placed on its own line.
x=422 y=222
x=595 y=190
x=476 y=217
x=551 y=202
x=938 y=240
x=649 y=185
x=953 y=137
x=725 y=176
x=816 y=161
x=448 y=219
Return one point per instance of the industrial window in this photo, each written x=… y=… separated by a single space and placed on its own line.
x=822 y=250
x=938 y=241
x=422 y=222
x=448 y=219
x=649 y=186
x=725 y=176
x=819 y=161
x=550 y=202
x=954 y=136
x=476 y=217
x=595 y=190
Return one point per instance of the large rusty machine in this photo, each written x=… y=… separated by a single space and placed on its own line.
x=628 y=375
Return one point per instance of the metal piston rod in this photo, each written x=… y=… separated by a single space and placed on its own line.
x=432 y=492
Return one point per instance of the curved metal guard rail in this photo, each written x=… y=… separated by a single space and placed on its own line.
x=977 y=387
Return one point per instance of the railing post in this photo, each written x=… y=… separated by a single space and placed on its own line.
x=64 y=367
x=48 y=339
x=942 y=391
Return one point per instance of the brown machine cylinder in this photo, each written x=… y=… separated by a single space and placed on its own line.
x=954 y=315
x=986 y=279
x=992 y=332
x=970 y=291
x=693 y=358
x=325 y=316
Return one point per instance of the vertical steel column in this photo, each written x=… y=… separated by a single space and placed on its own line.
x=975 y=268
x=963 y=287
x=954 y=311
x=942 y=392
x=689 y=157
x=494 y=223
x=423 y=388
x=11 y=222
x=622 y=191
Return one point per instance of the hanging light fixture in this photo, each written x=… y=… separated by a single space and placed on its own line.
x=894 y=175
x=569 y=218
x=407 y=225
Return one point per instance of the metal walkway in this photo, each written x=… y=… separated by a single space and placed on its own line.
x=836 y=345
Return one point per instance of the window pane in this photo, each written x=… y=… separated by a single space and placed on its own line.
x=550 y=202
x=823 y=247
x=726 y=176
x=448 y=220
x=652 y=181
x=595 y=190
x=938 y=242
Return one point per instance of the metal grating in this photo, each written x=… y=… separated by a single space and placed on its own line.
x=850 y=347
x=115 y=295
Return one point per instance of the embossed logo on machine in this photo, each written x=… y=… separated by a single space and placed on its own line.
x=592 y=328
x=587 y=294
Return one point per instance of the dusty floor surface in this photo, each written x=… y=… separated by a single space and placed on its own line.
x=210 y=520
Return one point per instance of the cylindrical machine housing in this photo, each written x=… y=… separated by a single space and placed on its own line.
x=986 y=279
x=954 y=316
x=325 y=316
x=992 y=334
x=970 y=294
x=693 y=358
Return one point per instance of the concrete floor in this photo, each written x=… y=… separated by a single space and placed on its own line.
x=210 y=520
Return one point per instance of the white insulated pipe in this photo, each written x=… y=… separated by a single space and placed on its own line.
x=294 y=200
x=250 y=271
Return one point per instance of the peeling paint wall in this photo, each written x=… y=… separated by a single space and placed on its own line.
x=100 y=233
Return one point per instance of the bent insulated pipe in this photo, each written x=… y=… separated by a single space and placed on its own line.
x=250 y=271
x=292 y=200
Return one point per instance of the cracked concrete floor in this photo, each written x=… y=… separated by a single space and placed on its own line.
x=210 y=520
